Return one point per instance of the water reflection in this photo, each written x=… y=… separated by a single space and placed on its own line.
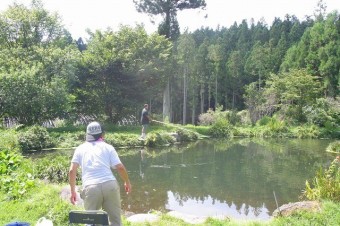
x=211 y=207
x=234 y=178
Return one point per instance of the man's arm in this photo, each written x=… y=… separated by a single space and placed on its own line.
x=125 y=177
x=72 y=175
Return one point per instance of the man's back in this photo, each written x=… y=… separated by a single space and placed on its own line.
x=96 y=159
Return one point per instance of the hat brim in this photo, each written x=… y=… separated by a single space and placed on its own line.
x=93 y=137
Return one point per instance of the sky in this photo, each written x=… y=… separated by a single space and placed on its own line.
x=79 y=15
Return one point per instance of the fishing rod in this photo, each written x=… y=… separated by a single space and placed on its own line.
x=277 y=205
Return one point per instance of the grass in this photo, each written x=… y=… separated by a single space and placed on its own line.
x=44 y=201
x=329 y=215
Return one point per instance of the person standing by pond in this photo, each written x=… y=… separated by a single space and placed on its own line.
x=145 y=120
x=100 y=188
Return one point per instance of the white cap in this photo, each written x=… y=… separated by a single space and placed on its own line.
x=93 y=131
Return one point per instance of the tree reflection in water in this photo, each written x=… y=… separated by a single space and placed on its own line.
x=235 y=178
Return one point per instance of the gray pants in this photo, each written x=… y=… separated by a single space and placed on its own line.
x=105 y=195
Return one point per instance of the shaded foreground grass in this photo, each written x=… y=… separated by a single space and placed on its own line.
x=44 y=201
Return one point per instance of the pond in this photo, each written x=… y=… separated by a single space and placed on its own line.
x=242 y=179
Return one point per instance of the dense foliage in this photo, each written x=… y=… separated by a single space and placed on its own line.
x=288 y=68
x=326 y=184
x=38 y=63
x=16 y=179
x=34 y=138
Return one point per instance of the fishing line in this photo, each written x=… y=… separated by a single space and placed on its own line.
x=277 y=205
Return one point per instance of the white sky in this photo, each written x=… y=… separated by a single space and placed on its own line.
x=77 y=15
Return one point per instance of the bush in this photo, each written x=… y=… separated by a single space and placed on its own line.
x=326 y=184
x=54 y=170
x=221 y=128
x=212 y=117
x=159 y=139
x=264 y=121
x=14 y=180
x=277 y=126
x=233 y=117
x=186 y=135
x=68 y=139
x=325 y=112
x=244 y=117
x=307 y=132
x=206 y=119
x=34 y=138
x=334 y=147
x=9 y=140
x=10 y=161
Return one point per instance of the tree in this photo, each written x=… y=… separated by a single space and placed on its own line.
x=28 y=98
x=38 y=64
x=235 y=65
x=27 y=27
x=293 y=90
x=258 y=62
x=120 y=70
x=169 y=27
x=168 y=10
x=256 y=102
x=203 y=70
x=186 y=55
x=215 y=55
x=318 y=52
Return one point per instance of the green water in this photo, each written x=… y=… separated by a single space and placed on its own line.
x=235 y=178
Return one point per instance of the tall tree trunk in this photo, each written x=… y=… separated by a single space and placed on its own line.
x=209 y=95
x=233 y=103
x=166 y=102
x=185 y=96
x=193 y=112
x=202 y=98
x=216 y=102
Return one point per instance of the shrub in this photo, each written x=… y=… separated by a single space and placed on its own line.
x=221 y=128
x=233 y=117
x=159 y=139
x=212 y=116
x=68 y=139
x=334 y=147
x=325 y=112
x=277 y=126
x=207 y=118
x=307 y=132
x=34 y=138
x=14 y=180
x=186 y=135
x=244 y=117
x=264 y=121
x=54 y=170
x=326 y=184
x=10 y=161
x=9 y=140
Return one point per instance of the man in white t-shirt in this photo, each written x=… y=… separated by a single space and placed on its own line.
x=100 y=189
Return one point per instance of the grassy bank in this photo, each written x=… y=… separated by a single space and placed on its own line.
x=44 y=201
